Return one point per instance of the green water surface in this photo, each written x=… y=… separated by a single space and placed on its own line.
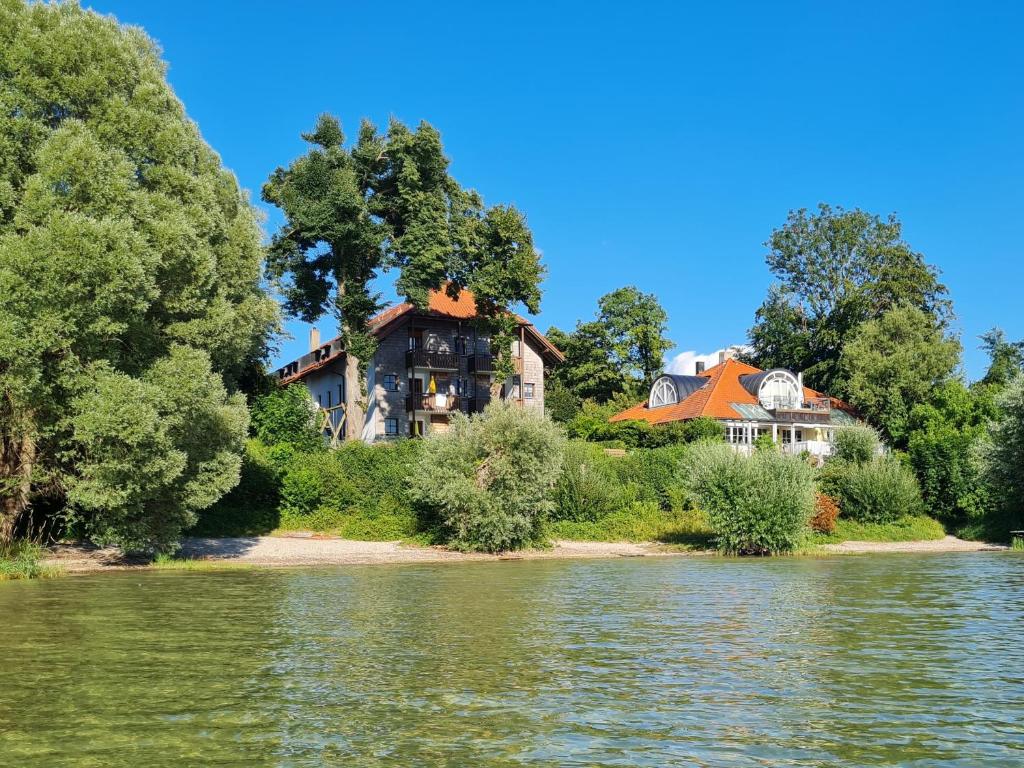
x=911 y=660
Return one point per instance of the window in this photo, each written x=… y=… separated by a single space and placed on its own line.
x=341 y=393
x=390 y=382
x=663 y=393
x=461 y=345
x=415 y=339
x=779 y=390
x=514 y=393
x=391 y=427
x=516 y=351
x=329 y=395
x=528 y=391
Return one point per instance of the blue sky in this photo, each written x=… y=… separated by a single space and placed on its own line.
x=654 y=144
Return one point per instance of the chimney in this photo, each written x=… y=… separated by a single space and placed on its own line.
x=698 y=367
x=721 y=357
x=314 y=339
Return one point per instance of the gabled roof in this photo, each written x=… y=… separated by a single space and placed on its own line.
x=716 y=398
x=440 y=305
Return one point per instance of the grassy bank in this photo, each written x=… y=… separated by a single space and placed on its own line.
x=908 y=528
x=639 y=523
x=23 y=561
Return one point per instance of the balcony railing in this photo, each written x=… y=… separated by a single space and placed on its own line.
x=481 y=363
x=438 y=361
x=437 y=403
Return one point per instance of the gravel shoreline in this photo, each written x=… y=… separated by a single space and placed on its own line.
x=297 y=550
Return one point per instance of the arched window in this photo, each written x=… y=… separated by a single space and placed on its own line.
x=663 y=393
x=779 y=390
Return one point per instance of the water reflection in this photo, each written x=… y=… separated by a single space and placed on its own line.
x=900 y=660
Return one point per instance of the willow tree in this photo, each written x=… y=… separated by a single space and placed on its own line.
x=130 y=275
x=388 y=202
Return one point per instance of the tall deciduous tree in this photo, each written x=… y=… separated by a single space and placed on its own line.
x=836 y=269
x=621 y=351
x=894 y=363
x=1002 y=456
x=388 y=202
x=130 y=267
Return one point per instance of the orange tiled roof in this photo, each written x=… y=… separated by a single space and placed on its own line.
x=714 y=399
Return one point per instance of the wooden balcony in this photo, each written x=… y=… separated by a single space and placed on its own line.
x=435 y=361
x=481 y=363
x=432 y=403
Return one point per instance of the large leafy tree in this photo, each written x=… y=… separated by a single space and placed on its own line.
x=894 y=363
x=1001 y=454
x=130 y=267
x=388 y=202
x=945 y=434
x=836 y=269
x=621 y=351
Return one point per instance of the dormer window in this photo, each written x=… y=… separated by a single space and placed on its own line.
x=779 y=389
x=663 y=393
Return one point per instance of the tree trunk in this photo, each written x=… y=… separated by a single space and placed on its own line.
x=17 y=456
x=354 y=410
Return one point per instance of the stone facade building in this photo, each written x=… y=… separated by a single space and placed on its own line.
x=429 y=364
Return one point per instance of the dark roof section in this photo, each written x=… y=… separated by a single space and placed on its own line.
x=752 y=381
x=686 y=385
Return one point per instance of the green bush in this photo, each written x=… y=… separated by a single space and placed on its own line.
x=756 y=505
x=589 y=487
x=879 y=491
x=251 y=507
x=640 y=522
x=287 y=416
x=315 y=480
x=490 y=477
x=857 y=444
x=653 y=474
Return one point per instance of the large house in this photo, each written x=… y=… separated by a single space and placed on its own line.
x=428 y=365
x=749 y=402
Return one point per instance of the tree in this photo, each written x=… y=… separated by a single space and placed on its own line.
x=836 y=269
x=126 y=250
x=636 y=325
x=943 y=439
x=1006 y=358
x=589 y=371
x=894 y=363
x=388 y=202
x=1002 y=456
x=287 y=416
x=621 y=351
x=490 y=477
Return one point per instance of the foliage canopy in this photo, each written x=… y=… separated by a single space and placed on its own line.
x=130 y=269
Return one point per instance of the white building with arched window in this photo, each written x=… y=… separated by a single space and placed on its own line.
x=749 y=403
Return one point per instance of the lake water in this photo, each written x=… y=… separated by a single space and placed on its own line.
x=911 y=660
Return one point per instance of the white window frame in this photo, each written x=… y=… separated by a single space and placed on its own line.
x=528 y=388
x=663 y=393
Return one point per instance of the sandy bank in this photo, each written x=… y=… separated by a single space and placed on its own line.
x=947 y=544
x=311 y=550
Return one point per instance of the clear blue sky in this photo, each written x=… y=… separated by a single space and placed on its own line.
x=656 y=144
